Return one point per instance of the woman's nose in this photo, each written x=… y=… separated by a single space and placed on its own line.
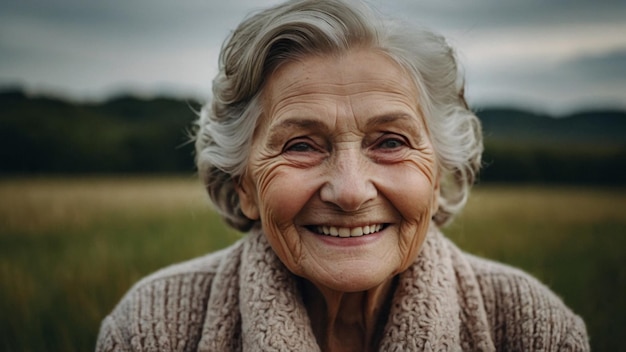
x=349 y=184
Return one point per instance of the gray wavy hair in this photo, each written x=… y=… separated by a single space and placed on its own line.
x=299 y=28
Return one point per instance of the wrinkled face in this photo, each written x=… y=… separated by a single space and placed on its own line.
x=342 y=172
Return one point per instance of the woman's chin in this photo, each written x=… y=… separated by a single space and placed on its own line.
x=350 y=278
x=349 y=264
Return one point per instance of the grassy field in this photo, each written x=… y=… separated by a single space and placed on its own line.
x=70 y=248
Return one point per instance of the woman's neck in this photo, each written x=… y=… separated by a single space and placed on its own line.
x=347 y=321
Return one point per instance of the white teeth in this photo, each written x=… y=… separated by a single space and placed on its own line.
x=356 y=232
x=347 y=231
x=344 y=232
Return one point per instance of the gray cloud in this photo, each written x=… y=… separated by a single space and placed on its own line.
x=608 y=67
x=556 y=86
x=488 y=14
x=532 y=51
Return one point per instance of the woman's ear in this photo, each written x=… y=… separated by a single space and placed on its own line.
x=247 y=198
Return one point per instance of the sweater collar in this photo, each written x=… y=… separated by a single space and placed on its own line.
x=429 y=310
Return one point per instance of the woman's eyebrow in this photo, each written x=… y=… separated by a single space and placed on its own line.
x=405 y=120
x=277 y=131
x=298 y=123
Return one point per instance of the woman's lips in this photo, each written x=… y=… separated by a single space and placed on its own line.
x=337 y=231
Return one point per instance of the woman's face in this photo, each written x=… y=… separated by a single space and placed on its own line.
x=342 y=173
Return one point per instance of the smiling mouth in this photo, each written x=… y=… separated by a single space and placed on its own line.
x=346 y=232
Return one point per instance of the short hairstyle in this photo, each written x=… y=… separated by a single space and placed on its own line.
x=300 y=28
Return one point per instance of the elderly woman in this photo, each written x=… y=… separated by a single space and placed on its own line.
x=340 y=142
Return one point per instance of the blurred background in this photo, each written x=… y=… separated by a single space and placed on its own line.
x=98 y=187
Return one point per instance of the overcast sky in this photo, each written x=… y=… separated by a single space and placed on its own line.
x=553 y=56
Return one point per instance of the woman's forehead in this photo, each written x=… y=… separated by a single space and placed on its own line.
x=337 y=73
x=362 y=80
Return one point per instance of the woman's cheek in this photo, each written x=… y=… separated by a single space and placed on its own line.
x=282 y=192
x=410 y=186
x=285 y=245
x=277 y=193
x=411 y=242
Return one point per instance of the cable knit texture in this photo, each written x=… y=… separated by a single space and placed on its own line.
x=244 y=299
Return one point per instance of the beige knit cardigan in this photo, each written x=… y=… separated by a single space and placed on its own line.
x=244 y=299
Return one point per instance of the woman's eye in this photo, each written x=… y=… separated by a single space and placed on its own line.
x=300 y=147
x=391 y=143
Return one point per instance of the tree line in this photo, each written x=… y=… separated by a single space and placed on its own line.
x=127 y=135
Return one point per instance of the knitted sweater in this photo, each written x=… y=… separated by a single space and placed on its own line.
x=244 y=299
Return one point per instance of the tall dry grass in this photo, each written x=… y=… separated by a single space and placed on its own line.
x=69 y=248
x=40 y=205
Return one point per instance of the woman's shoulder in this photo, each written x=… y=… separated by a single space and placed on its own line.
x=164 y=308
x=520 y=307
x=180 y=279
x=501 y=283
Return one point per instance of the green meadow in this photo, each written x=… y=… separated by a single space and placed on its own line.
x=71 y=247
